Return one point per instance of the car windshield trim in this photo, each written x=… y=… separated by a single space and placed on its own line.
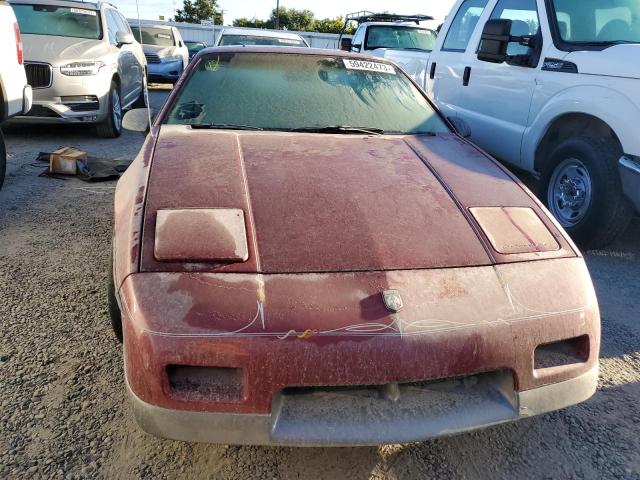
x=222 y=126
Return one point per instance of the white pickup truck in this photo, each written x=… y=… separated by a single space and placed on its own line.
x=403 y=39
x=15 y=94
x=551 y=87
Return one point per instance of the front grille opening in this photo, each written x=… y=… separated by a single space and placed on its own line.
x=565 y=352
x=81 y=103
x=208 y=384
x=40 y=111
x=38 y=74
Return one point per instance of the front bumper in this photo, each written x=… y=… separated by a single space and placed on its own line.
x=440 y=409
x=323 y=362
x=165 y=71
x=630 y=175
x=58 y=102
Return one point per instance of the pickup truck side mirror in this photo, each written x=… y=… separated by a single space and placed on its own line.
x=496 y=36
x=345 y=44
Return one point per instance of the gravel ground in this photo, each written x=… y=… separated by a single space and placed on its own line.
x=64 y=411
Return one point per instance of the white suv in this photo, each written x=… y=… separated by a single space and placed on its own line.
x=552 y=87
x=15 y=94
x=82 y=61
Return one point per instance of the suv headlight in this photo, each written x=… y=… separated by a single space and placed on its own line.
x=81 y=69
x=175 y=58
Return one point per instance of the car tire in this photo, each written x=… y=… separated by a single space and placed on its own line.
x=582 y=189
x=141 y=102
x=3 y=159
x=114 y=309
x=111 y=127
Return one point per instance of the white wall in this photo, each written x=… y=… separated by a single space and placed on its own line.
x=199 y=33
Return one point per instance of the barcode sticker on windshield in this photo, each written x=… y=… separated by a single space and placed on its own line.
x=81 y=11
x=368 y=66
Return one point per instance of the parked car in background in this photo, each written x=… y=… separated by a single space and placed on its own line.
x=167 y=55
x=15 y=93
x=551 y=87
x=399 y=38
x=385 y=281
x=82 y=61
x=252 y=36
x=194 y=47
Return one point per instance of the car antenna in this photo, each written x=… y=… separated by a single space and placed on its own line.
x=145 y=86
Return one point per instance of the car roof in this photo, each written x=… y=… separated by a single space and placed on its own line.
x=320 y=52
x=396 y=24
x=66 y=3
x=151 y=25
x=253 y=32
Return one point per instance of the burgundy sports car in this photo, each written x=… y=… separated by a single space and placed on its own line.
x=307 y=253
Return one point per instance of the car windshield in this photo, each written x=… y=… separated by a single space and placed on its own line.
x=292 y=92
x=598 y=21
x=161 y=37
x=258 y=40
x=406 y=38
x=195 y=46
x=61 y=21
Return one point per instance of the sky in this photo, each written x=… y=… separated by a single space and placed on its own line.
x=232 y=9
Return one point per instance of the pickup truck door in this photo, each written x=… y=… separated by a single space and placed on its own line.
x=496 y=99
x=446 y=67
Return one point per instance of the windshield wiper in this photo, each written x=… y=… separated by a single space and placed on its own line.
x=344 y=129
x=223 y=126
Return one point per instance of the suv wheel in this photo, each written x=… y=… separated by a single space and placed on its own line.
x=582 y=190
x=141 y=102
x=111 y=127
x=3 y=159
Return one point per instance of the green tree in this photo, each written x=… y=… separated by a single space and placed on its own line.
x=197 y=10
x=292 y=19
x=250 y=23
x=328 y=25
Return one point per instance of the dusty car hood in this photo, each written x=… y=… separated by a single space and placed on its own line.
x=60 y=50
x=325 y=203
x=617 y=61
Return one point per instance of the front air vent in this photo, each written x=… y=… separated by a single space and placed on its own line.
x=205 y=384
x=562 y=353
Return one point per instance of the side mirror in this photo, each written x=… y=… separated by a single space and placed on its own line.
x=345 y=44
x=124 y=38
x=461 y=127
x=136 y=120
x=496 y=36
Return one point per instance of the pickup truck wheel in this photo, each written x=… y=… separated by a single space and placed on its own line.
x=3 y=159
x=583 y=190
x=111 y=127
x=114 y=308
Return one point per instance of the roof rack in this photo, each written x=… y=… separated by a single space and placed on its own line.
x=366 y=16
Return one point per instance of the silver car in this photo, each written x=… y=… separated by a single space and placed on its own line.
x=82 y=61
x=167 y=55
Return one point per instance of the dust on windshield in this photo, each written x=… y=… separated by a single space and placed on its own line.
x=295 y=92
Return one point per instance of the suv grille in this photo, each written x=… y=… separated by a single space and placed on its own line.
x=38 y=74
x=152 y=58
